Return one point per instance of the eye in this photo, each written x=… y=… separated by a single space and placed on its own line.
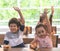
x=42 y=31
x=39 y=32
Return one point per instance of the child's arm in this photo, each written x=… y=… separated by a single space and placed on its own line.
x=47 y=22
x=6 y=40
x=48 y=25
x=51 y=15
x=33 y=44
x=20 y=14
x=52 y=10
x=22 y=21
x=6 y=43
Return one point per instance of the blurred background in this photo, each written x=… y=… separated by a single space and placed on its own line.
x=31 y=10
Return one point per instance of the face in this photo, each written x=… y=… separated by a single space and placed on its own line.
x=41 y=32
x=13 y=28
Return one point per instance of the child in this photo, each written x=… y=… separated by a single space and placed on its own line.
x=42 y=34
x=14 y=37
x=42 y=38
x=51 y=15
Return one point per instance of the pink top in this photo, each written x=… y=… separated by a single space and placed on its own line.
x=45 y=42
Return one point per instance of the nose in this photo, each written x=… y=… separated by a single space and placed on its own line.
x=42 y=33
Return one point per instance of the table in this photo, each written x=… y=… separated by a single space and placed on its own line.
x=27 y=39
x=17 y=49
x=49 y=49
x=28 y=49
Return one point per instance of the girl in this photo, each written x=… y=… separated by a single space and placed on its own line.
x=42 y=34
x=42 y=38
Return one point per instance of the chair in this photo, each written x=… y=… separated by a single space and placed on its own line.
x=54 y=38
x=1 y=39
x=27 y=30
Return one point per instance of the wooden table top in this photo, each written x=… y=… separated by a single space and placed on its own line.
x=49 y=49
x=28 y=49
x=17 y=49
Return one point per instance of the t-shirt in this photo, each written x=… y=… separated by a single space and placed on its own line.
x=14 y=39
x=45 y=42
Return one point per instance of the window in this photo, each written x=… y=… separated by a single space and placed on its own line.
x=30 y=9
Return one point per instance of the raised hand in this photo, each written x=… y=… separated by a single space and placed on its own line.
x=20 y=14
x=45 y=10
x=16 y=8
x=52 y=9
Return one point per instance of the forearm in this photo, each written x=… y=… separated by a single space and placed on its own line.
x=50 y=19
x=48 y=25
x=51 y=15
x=21 y=17
x=33 y=44
x=22 y=21
x=20 y=14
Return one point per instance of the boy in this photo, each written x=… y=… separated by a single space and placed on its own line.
x=14 y=37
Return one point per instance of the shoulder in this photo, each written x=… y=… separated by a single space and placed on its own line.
x=8 y=34
x=48 y=37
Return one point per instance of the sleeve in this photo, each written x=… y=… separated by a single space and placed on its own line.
x=6 y=41
x=22 y=27
x=50 y=19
